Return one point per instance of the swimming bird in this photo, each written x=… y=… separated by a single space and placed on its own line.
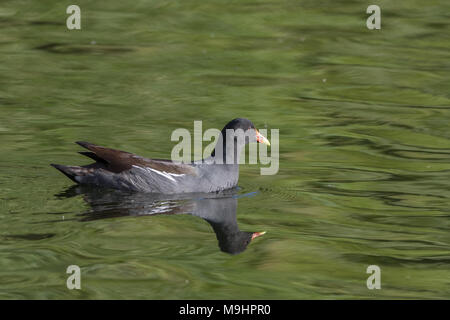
x=126 y=171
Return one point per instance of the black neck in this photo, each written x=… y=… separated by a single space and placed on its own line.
x=232 y=150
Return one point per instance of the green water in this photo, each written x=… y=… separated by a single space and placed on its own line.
x=364 y=146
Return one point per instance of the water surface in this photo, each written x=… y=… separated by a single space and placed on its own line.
x=364 y=146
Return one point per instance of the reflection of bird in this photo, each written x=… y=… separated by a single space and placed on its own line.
x=218 y=209
x=221 y=215
x=126 y=171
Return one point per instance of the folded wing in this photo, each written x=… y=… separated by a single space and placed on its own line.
x=117 y=161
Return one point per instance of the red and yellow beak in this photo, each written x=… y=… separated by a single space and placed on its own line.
x=261 y=139
x=257 y=234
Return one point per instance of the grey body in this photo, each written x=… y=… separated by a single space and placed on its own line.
x=207 y=177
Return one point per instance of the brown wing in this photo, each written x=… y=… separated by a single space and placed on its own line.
x=118 y=161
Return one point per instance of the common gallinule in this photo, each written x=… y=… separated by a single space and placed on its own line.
x=218 y=209
x=126 y=171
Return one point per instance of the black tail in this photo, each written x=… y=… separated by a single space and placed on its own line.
x=68 y=171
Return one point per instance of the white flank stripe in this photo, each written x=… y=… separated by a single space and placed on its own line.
x=162 y=173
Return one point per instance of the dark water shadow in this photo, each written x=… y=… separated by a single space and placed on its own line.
x=67 y=48
x=218 y=209
x=29 y=236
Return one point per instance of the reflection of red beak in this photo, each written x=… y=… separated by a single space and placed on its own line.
x=257 y=234
x=261 y=139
